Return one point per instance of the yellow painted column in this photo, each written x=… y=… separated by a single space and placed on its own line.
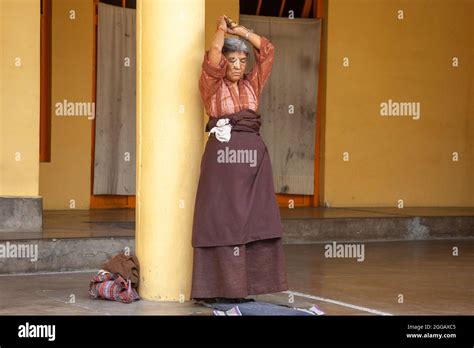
x=170 y=44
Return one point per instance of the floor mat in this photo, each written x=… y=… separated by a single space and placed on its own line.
x=259 y=308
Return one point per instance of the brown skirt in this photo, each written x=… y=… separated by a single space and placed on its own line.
x=237 y=228
x=254 y=268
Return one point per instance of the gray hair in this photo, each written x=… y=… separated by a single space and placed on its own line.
x=233 y=44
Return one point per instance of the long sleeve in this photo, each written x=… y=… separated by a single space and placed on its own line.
x=211 y=78
x=263 y=65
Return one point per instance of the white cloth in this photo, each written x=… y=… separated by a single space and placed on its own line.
x=234 y=311
x=222 y=130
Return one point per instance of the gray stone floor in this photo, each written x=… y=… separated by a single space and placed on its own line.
x=66 y=294
x=430 y=278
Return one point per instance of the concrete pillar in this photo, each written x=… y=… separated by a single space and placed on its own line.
x=170 y=47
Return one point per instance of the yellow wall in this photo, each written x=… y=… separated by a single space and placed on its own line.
x=67 y=176
x=408 y=60
x=390 y=158
x=19 y=97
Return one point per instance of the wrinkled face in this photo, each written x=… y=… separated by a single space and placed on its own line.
x=237 y=61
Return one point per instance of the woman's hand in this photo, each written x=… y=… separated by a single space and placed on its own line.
x=239 y=31
x=221 y=22
x=236 y=31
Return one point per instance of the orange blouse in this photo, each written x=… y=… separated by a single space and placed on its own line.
x=217 y=94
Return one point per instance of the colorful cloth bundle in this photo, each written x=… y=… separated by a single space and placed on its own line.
x=113 y=287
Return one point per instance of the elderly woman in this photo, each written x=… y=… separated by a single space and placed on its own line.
x=237 y=229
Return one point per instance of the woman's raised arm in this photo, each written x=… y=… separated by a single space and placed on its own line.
x=215 y=51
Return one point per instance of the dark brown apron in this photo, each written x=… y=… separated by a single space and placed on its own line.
x=235 y=202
